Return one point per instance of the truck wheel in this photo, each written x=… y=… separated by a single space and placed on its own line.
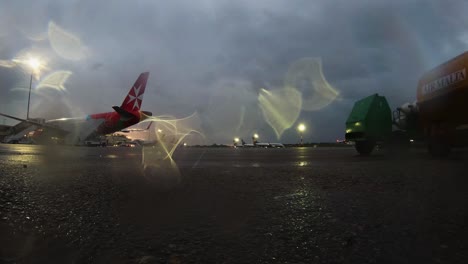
x=438 y=145
x=398 y=142
x=365 y=147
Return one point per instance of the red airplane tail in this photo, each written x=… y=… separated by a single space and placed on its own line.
x=135 y=96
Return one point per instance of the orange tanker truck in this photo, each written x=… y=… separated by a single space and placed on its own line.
x=439 y=117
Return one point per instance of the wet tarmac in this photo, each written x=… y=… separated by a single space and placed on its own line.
x=293 y=205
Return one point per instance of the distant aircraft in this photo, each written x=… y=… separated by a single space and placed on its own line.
x=269 y=145
x=141 y=136
x=276 y=145
x=263 y=145
x=77 y=130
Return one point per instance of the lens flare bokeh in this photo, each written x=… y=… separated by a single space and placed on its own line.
x=55 y=80
x=305 y=88
x=66 y=44
x=231 y=110
x=166 y=135
x=7 y=64
x=280 y=108
x=306 y=75
x=30 y=61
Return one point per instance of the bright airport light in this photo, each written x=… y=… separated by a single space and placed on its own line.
x=301 y=127
x=236 y=140
x=255 y=135
x=31 y=63
x=34 y=63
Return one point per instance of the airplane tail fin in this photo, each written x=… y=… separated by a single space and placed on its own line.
x=135 y=96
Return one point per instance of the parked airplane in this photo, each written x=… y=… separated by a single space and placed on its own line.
x=262 y=145
x=141 y=136
x=77 y=130
x=276 y=145
x=130 y=130
x=269 y=145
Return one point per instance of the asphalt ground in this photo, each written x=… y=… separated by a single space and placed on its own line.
x=216 y=205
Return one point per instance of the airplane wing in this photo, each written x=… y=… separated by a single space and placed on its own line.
x=19 y=119
x=78 y=129
x=72 y=130
x=34 y=123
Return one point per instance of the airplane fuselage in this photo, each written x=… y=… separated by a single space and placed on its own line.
x=114 y=122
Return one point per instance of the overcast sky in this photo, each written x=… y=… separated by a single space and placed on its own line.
x=214 y=56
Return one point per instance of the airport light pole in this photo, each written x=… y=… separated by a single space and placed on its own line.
x=35 y=64
x=255 y=139
x=301 y=128
x=29 y=96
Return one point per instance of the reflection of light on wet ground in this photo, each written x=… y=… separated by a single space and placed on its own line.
x=158 y=168
x=296 y=195
x=111 y=156
x=303 y=163
x=22 y=154
x=280 y=108
x=255 y=165
x=306 y=75
x=65 y=43
x=302 y=212
x=24 y=159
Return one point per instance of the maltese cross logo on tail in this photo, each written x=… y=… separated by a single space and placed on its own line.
x=135 y=96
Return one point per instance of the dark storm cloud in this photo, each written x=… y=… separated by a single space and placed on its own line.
x=195 y=50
